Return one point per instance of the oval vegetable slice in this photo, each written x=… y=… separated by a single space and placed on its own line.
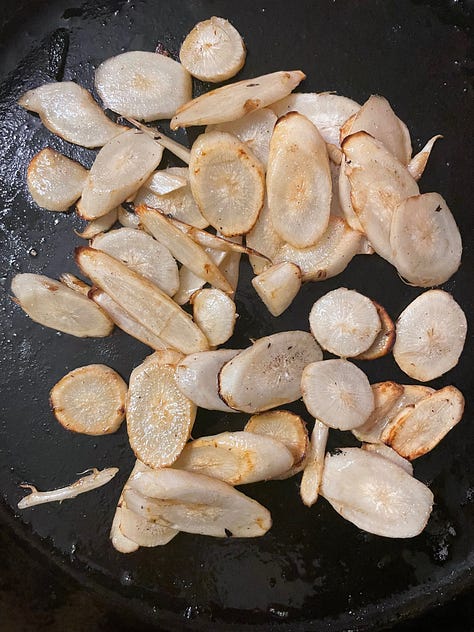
x=144 y=85
x=286 y=427
x=313 y=471
x=214 y=313
x=418 y=429
x=375 y=495
x=128 y=219
x=69 y=111
x=233 y=101
x=298 y=181
x=425 y=240
x=431 y=333
x=379 y=183
x=143 y=300
x=159 y=417
x=144 y=532
x=167 y=180
x=268 y=373
x=119 y=170
x=277 y=286
x=195 y=503
x=338 y=393
x=213 y=50
x=344 y=322
x=99 y=225
x=54 y=181
x=142 y=253
x=254 y=129
x=326 y=110
x=196 y=377
x=227 y=182
x=345 y=201
x=90 y=400
x=236 y=458
x=384 y=340
x=388 y=453
x=54 y=305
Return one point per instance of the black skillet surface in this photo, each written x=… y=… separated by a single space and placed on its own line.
x=313 y=570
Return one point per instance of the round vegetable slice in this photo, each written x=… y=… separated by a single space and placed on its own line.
x=54 y=305
x=338 y=393
x=195 y=503
x=214 y=313
x=236 y=458
x=90 y=400
x=213 y=50
x=196 y=377
x=227 y=182
x=344 y=322
x=277 y=286
x=140 y=252
x=298 y=181
x=54 y=181
x=286 y=427
x=159 y=417
x=143 y=85
x=375 y=494
x=425 y=240
x=431 y=333
x=268 y=374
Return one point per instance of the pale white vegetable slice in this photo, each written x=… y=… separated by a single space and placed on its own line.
x=330 y=256
x=145 y=85
x=119 y=541
x=233 y=101
x=338 y=393
x=182 y=247
x=344 y=322
x=95 y=479
x=425 y=240
x=179 y=203
x=197 y=377
x=377 y=118
x=227 y=182
x=236 y=458
x=195 y=503
x=119 y=170
x=213 y=50
x=142 y=253
x=313 y=471
x=298 y=181
x=288 y=428
x=335 y=154
x=431 y=333
x=143 y=300
x=384 y=340
x=390 y=398
x=167 y=180
x=125 y=322
x=388 y=453
x=54 y=305
x=417 y=430
x=99 y=225
x=254 y=129
x=230 y=268
x=72 y=282
x=159 y=417
x=90 y=400
x=69 y=111
x=277 y=286
x=344 y=191
x=189 y=283
x=128 y=219
x=418 y=163
x=326 y=110
x=268 y=374
x=379 y=182
x=263 y=238
x=54 y=181
x=144 y=532
x=214 y=313
x=374 y=494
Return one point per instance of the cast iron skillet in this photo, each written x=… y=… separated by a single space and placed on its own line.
x=313 y=570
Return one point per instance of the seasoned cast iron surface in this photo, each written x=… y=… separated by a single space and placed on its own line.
x=313 y=570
